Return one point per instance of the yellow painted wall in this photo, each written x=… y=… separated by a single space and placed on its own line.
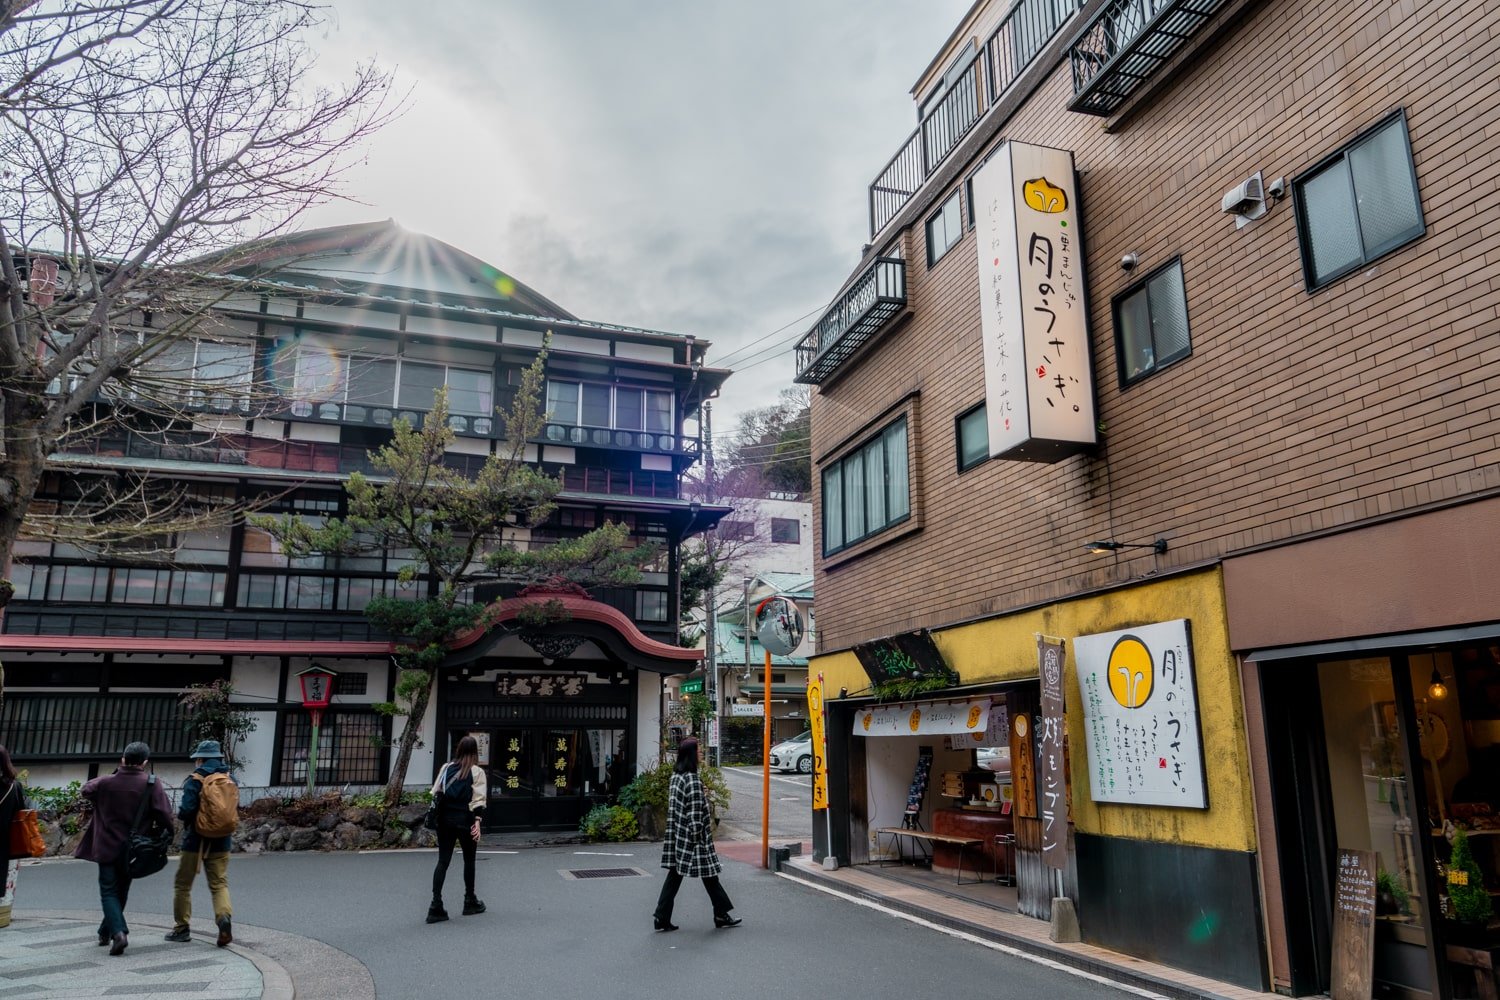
x=1004 y=649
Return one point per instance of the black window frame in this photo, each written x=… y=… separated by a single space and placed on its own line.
x=47 y=726
x=1368 y=256
x=351 y=756
x=783 y=523
x=842 y=465
x=958 y=238
x=1142 y=287
x=958 y=437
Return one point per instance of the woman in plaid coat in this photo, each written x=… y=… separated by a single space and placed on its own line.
x=689 y=846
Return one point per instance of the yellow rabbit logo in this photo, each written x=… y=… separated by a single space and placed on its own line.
x=1044 y=196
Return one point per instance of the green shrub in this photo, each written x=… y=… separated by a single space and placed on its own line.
x=56 y=801
x=650 y=789
x=613 y=823
x=1471 y=901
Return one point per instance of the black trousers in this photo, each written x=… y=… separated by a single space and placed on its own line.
x=447 y=836
x=673 y=881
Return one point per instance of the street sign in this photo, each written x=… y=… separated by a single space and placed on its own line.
x=693 y=685
x=713 y=731
x=758 y=708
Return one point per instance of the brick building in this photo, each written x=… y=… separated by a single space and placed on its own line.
x=1215 y=284
x=324 y=340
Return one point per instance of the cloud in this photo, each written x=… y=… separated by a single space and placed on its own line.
x=694 y=167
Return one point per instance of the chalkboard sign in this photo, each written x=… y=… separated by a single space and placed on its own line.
x=1353 y=926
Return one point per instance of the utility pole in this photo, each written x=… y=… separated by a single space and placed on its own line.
x=711 y=624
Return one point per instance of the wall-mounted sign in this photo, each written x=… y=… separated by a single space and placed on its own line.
x=1038 y=378
x=757 y=709
x=540 y=685
x=1140 y=712
x=693 y=685
x=908 y=656
x=928 y=718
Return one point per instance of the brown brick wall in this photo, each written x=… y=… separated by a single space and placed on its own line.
x=1296 y=412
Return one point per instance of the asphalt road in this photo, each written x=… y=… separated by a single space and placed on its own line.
x=547 y=936
x=791 y=807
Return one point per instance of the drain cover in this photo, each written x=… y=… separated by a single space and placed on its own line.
x=576 y=873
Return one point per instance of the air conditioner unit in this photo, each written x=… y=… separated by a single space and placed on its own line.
x=1246 y=201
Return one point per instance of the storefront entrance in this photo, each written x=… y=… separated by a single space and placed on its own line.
x=549 y=756
x=1392 y=754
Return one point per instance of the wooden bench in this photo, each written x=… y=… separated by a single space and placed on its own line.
x=1482 y=961
x=922 y=837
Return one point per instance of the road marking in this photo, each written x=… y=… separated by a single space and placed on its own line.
x=1004 y=949
x=757 y=774
x=604 y=854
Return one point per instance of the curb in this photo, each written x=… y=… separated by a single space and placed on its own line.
x=1114 y=972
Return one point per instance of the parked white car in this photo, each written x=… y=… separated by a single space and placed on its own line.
x=793 y=755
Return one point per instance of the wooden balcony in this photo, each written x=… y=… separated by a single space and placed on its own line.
x=875 y=298
x=1126 y=43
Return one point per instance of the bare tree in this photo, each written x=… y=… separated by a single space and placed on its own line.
x=138 y=140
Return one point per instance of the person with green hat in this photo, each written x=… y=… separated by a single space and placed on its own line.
x=209 y=811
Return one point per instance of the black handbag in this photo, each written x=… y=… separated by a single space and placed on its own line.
x=146 y=853
x=431 y=819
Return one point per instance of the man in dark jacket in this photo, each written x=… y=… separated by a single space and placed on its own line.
x=209 y=853
x=114 y=800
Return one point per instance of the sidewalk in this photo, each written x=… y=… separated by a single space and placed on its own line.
x=1011 y=931
x=54 y=954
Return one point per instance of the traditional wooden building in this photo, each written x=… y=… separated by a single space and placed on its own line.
x=325 y=340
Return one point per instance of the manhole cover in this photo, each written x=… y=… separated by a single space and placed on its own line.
x=577 y=873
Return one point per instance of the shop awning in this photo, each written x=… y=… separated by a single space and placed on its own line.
x=926 y=718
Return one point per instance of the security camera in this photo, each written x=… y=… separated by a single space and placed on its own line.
x=1129 y=261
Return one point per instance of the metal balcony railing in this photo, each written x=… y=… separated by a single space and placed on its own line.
x=874 y=298
x=1015 y=43
x=1127 y=42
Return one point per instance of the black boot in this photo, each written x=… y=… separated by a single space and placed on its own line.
x=472 y=906
x=435 y=913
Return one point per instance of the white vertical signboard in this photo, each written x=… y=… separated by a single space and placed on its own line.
x=1140 y=716
x=1039 y=383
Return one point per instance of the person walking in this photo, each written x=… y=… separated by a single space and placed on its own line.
x=459 y=795
x=689 y=846
x=12 y=801
x=209 y=811
x=113 y=801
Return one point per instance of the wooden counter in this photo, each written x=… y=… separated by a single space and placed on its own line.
x=977 y=824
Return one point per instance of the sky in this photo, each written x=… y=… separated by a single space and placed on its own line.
x=693 y=167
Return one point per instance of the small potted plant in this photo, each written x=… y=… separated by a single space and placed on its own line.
x=1391 y=897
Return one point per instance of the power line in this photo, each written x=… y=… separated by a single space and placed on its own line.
x=728 y=358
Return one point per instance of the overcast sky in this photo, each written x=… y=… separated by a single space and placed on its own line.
x=695 y=167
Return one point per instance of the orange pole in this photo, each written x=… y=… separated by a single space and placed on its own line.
x=765 y=783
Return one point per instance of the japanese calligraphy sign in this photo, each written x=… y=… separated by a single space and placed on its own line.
x=1051 y=725
x=540 y=685
x=929 y=718
x=1038 y=376
x=1140 y=712
x=819 y=742
x=907 y=656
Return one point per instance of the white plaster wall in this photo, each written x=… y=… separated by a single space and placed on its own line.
x=648 y=720
x=890 y=762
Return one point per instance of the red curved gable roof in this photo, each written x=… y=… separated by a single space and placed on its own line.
x=583 y=609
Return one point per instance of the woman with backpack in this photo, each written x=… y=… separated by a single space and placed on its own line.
x=209 y=810
x=459 y=796
x=12 y=801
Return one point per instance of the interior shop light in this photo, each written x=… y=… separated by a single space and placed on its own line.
x=1437 y=690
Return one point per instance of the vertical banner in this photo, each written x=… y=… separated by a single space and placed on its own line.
x=819 y=742
x=1038 y=375
x=1049 y=737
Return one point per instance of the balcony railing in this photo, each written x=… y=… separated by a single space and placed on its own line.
x=317 y=456
x=1125 y=43
x=1024 y=32
x=608 y=437
x=873 y=299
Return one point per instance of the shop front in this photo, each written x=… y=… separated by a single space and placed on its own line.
x=1150 y=836
x=565 y=711
x=1372 y=685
